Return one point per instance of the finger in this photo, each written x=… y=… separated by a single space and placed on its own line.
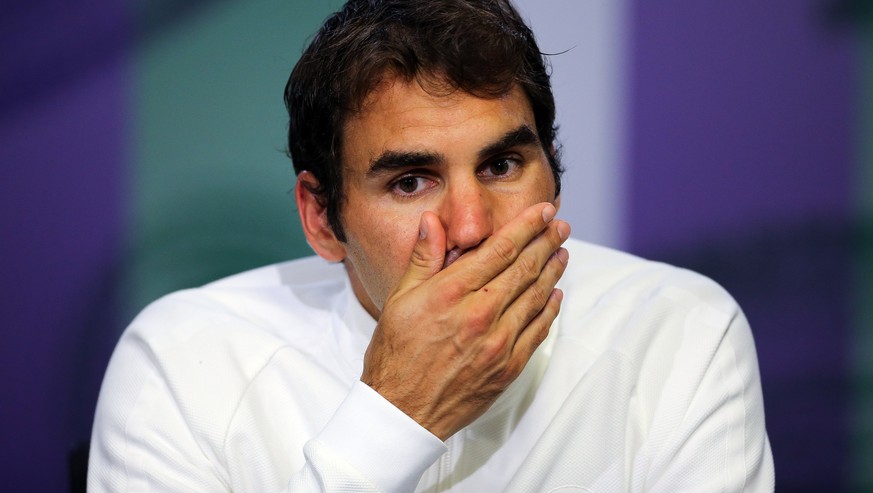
x=538 y=329
x=528 y=267
x=528 y=305
x=428 y=254
x=503 y=247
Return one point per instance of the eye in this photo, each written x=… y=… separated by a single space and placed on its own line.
x=410 y=185
x=501 y=167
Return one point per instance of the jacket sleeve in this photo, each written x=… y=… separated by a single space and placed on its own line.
x=368 y=445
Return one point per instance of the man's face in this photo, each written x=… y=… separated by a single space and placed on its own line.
x=474 y=162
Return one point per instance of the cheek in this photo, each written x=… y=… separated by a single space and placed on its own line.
x=381 y=245
x=511 y=204
x=399 y=240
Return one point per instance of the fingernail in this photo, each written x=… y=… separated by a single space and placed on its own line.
x=563 y=255
x=549 y=213
x=564 y=230
x=422 y=229
x=558 y=294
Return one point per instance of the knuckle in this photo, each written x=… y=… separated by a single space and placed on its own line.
x=505 y=249
x=479 y=320
x=537 y=299
x=453 y=291
x=528 y=265
x=539 y=335
x=508 y=373
x=495 y=347
x=418 y=259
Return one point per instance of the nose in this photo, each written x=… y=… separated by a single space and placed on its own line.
x=467 y=215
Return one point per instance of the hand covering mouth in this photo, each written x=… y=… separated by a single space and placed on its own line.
x=452 y=255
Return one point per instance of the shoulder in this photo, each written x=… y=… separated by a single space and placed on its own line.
x=612 y=297
x=184 y=365
x=270 y=303
x=670 y=352
x=202 y=347
x=605 y=273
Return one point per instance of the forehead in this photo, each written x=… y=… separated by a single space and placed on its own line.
x=401 y=115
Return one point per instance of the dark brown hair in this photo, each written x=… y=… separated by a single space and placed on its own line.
x=482 y=47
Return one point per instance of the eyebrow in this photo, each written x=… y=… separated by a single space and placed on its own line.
x=521 y=136
x=392 y=160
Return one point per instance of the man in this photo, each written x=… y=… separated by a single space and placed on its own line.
x=449 y=342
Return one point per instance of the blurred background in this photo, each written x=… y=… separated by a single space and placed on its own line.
x=142 y=151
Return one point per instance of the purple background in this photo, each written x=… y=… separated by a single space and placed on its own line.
x=62 y=149
x=746 y=111
x=743 y=165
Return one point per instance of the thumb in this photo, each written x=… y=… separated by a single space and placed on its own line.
x=429 y=252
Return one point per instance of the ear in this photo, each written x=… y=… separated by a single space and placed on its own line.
x=313 y=219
